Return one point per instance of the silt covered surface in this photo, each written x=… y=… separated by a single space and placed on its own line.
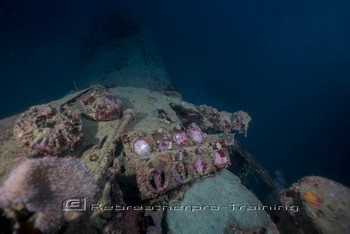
x=99 y=153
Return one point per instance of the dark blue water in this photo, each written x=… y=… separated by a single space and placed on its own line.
x=287 y=63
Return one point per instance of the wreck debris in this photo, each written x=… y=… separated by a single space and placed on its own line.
x=128 y=220
x=246 y=164
x=225 y=121
x=210 y=120
x=173 y=94
x=166 y=171
x=48 y=130
x=240 y=121
x=161 y=167
x=100 y=105
x=187 y=115
x=101 y=142
x=72 y=98
x=315 y=205
x=128 y=116
x=161 y=114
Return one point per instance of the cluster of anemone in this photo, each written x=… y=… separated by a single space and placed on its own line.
x=163 y=141
x=100 y=105
x=165 y=160
x=240 y=121
x=41 y=184
x=224 y=121
x=49 y=130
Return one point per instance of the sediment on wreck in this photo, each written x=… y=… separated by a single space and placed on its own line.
x=103 y=154
x=140 y=105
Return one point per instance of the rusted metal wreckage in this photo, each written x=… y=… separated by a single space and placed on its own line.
x=185 y=144
x=163 y=161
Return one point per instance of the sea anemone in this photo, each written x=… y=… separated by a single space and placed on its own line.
x=180 y=137
x=221 y=159
x=156 y=181
x=142 y=147
x=181 y=172
x=200 y=165
x=196 y=133
x=164 y=145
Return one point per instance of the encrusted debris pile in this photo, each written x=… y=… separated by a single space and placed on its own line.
x=323 y=207
x=145 y=152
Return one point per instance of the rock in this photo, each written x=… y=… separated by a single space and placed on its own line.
x=214 y=204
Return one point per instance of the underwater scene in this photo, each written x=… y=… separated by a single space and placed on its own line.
x=174 y=117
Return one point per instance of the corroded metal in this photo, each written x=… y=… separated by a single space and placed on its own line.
x=172 y=158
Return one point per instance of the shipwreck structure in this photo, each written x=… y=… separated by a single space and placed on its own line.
x=130 y=156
